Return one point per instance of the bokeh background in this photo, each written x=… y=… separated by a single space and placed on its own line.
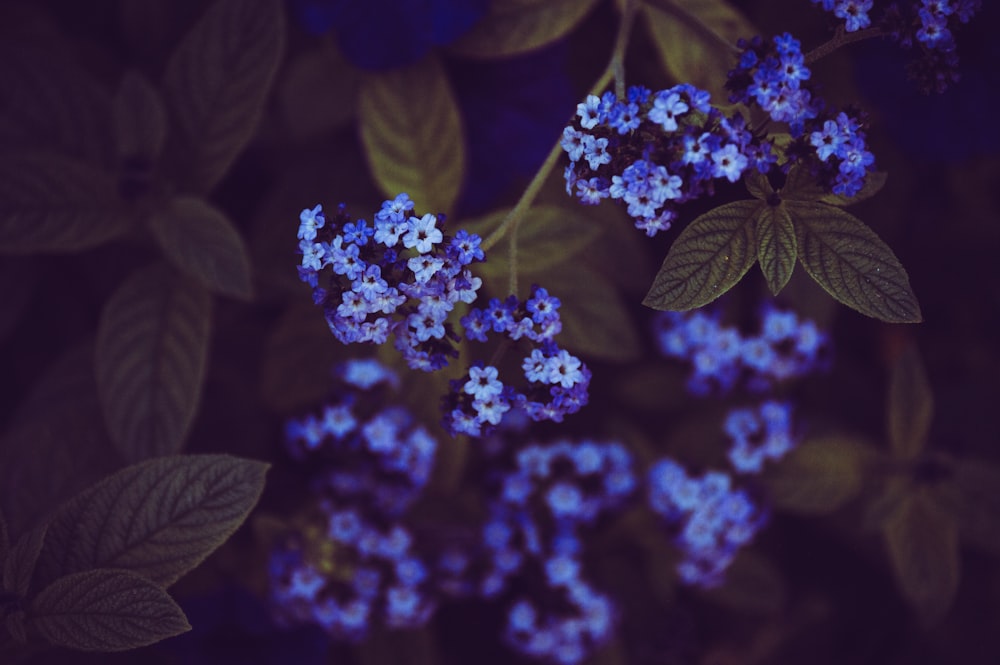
x=822 y=590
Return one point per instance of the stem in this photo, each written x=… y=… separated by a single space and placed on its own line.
x=840 y=38
x=617 y=64
x=512 y=261
x=528 y=197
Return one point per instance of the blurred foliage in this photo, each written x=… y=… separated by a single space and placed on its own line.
x=154 y=157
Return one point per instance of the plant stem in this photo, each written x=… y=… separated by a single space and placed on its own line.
x=840 y=38
x=617 y=64
x=528 y=197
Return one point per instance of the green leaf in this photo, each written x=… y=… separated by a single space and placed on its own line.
x=851 y=263
x=412 y=134
x=152 y=343
x=57 y=443
x=140 y=119
x=159 y=518
x=776 y=246
x=318 y=93
x=922 y=542
x=200 y=241
x=516 y=26
x=595 y=320
x=217 y=82
x=911 y=405
x=977 y=509
x=753 y=585
x=298 y=356
x=707 y=259
x=691 y=37
x=758 y=185
x=54 y=204
x=105 y=610
x=819 y=476
x=49 y=103
x=547 y=236
x=19 y=565
x=15 y=626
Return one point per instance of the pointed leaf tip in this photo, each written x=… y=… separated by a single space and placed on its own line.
x=707 y=259
x=852 y=263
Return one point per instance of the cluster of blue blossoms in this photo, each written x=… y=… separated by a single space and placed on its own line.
x=831 y=144
x=655 y=151
x=784 y=348
x=759 y=434
x=360 y=566
x=550 y=494
x=928 y=24
x=557 y=381
x=711 y=520
x=403 y=277
x=400 y=276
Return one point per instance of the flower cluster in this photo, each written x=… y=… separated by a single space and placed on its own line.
x=773 y=75
x=654 y=151
x=348 y=577
x=370 y=455
x=401 y=276
x=557 y=381
x=550 y=494
x=928 y=24
x=759 y=434
x=784 y=348
x=359 y=565
x=711 y=520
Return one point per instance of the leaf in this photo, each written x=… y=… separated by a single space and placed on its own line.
x=200 y=241
x=56 y=443
x=547 y=236
x=691 y=37
x=54 y=204
x=19 y=565
x=298 y=356
x=48 y=103
x=158 y=518
x=911 y=405
x=922 y=542
x=776 y=246
x=851 y=263
x=517 y=26
x=140 y=119
x=217 y=82
x=318 y=93
x=595 y=320
x=752 y=585
x=152 y=343
x=14 y=623
x=621 y=253
x=412 y=134
x=758 y=185
x=819 y=476
x=977 y=510
x=105 y=610
x=707 y=259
